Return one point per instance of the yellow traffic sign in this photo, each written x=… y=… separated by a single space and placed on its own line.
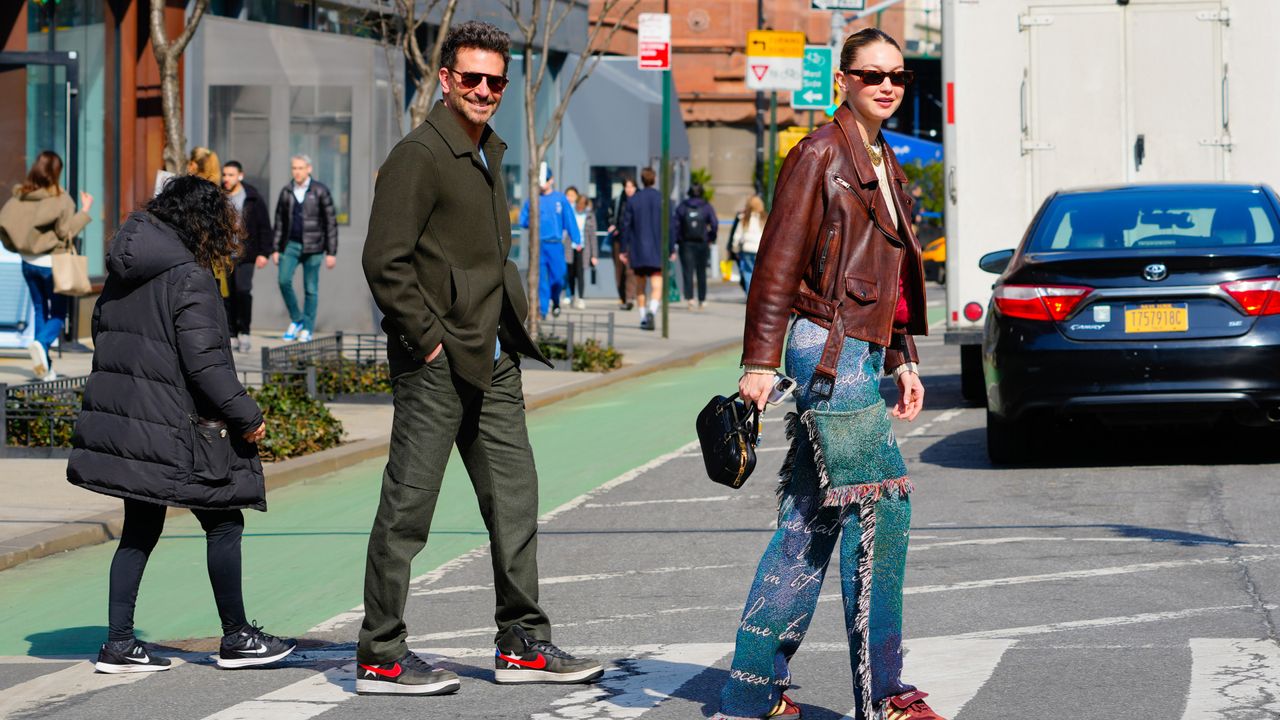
x=775 y=43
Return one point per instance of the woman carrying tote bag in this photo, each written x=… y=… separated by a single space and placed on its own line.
x=838 y=254
x=39 y=220
x=165 y=420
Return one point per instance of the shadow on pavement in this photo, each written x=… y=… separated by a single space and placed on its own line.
x=1085 y=443
x=1186 y=539
x=67 y=641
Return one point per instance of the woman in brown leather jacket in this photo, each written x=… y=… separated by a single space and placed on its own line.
x=839 y=255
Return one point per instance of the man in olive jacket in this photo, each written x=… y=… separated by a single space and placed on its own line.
x=436 y=261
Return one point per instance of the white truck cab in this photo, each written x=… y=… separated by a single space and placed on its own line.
x=1042 y=95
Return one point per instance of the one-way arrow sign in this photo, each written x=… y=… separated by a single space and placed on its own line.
x=818 y=78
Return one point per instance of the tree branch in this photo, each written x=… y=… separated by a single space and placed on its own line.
x=197 y=12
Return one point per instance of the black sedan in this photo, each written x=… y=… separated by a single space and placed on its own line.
x=1133 y=304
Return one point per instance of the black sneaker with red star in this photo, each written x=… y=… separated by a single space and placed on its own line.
x=521 y=659
x=410 y=675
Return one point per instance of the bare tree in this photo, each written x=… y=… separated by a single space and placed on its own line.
x=168 y=54
x=538 y=21
x=402 y=33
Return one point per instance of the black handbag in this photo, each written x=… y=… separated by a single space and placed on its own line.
x=728 y=431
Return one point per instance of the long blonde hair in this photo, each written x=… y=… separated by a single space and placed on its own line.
x=754 y=207
x=206 y=165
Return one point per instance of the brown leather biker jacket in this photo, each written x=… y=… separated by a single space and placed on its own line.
x=830 y=253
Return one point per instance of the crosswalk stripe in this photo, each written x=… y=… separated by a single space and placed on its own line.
x=952 y=672
x=638 y=686
x=298 y=701
x=1233 y=678
x=62 y=685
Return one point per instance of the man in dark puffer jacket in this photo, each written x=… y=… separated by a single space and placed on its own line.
x=165 y=420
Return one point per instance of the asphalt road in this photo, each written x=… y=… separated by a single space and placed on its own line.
x=1130 y=574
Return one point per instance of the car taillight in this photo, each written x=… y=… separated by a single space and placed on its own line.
x=1257 y=297
x=1039 y=302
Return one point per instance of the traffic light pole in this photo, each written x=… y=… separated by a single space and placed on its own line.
x=666 y=188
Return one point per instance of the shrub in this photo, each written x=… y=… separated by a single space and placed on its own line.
x=553 y=347
x=341 y=377
x=297 y=424
x=42 y=419
x=591 y=356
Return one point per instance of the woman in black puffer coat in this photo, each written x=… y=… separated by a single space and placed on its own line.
x=165 y=420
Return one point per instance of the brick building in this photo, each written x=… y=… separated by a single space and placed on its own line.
x=709 y=64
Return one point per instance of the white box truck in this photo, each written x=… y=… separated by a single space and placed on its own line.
x=1049 y=94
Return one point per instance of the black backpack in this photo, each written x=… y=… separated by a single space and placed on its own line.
x=693 y=226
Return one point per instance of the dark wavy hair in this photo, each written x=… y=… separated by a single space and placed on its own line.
x=476 y=35
x=205 y=220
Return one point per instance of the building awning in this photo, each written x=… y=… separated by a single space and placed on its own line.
x=910 y=149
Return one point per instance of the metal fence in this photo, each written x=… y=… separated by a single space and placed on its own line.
x=359 y=348
x=578 y=327
x=343 y=365
x=40 y=414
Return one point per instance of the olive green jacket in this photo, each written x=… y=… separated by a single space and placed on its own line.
x=436 y=253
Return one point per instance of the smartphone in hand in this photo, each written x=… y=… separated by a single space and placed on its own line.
x=783 y=386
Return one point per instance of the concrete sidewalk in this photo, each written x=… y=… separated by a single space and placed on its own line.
x=44 y=514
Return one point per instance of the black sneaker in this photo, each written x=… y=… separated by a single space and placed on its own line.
x=252 y=647
x=129 y=656
x=647 y=322
x=410 y=675
x=521 y=659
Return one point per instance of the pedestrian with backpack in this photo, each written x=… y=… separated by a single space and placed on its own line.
x=694 y=226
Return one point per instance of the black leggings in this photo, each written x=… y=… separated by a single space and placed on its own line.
x=143 y=523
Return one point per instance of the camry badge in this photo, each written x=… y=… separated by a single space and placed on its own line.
x=1155 y=272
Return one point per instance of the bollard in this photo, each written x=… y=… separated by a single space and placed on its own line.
x=568 y=342
x=312 y=388
x=610 y=329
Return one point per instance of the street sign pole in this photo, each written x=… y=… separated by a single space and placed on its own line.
x=654 y=53
x=666 y=194
x=773 y=150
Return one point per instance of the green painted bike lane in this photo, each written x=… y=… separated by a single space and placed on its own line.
x=304 y=559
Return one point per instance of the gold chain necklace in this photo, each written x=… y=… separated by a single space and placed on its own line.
x=877 y=155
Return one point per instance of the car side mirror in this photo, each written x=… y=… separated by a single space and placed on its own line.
x=996 y=262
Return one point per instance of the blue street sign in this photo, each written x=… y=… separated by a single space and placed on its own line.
x=819 y=77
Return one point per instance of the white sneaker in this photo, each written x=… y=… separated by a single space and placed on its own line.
x=304 y=336
x=235 y=342
x=51 y=375
x=292 y=333
x=245 y=344
x=39 y=358
x=579 y=304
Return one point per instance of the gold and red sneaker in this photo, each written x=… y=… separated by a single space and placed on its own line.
x=909 y=706
x=786 y=709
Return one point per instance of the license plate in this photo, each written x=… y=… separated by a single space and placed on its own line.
x=1162 y=318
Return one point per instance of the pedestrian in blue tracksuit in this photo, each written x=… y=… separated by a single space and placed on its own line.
x=555 y=218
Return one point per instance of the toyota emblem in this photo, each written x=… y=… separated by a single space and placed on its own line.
x=1155 y=272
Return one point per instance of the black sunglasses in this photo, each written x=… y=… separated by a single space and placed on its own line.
x=900 y=78
x=471 y=80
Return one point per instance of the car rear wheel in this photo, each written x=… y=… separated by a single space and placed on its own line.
x=1008 y=443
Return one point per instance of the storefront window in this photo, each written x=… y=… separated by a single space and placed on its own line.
x=71 y=26
x=240 y=129
x=320 y=127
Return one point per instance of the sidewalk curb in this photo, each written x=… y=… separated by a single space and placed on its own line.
x=106 y=526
